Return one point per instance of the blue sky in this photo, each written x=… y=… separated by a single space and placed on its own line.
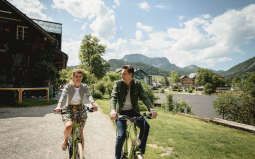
x=215 y=34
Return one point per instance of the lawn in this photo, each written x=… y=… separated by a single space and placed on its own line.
x=191 y=138
x=158 y=77
x=32 y=102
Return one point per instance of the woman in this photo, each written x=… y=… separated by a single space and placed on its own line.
x=74 y=92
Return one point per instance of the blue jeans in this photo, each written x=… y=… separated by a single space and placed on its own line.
x=121 y=135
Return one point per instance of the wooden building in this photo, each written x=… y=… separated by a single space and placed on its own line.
x=24 y=44
x=188 y=80
x=218 y=76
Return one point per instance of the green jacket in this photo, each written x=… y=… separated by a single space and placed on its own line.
x=119 y=94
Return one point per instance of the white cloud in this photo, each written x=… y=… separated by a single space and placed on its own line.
x=144 y=27
x=206 y=16
x=32 y=8
x=76 y=20
x=224 y=59
x=104 y=23
x=72 y=49
x=114 y=6
x=138 y=35
x=163 y=6
x=84 y=26
x=145 y=6
x=181 y=17
x=204 y=40
x=117 y=2
x=120 y=27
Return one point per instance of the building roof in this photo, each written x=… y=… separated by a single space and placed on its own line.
x=51 y=27
x=39 y=28
x=192 y=75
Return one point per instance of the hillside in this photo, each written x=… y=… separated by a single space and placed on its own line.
x=118 y=63
x=162 y=63
x=240 y=69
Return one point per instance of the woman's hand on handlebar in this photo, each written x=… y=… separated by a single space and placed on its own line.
x=58 y=110
x=94 y=106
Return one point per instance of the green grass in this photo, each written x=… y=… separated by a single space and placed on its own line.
x=158 y=77
x=31 y=103
x=192 y=139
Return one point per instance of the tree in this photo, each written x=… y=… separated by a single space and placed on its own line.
x=251 y=79
x=90 y=56
x=236 y=81
x=203 y=76
x=166 y=81
x=216 y=81
x=174 y=77
x=208 y=88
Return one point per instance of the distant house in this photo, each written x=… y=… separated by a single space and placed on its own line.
x=218 y=76
x=188 y=80
x=20 y=37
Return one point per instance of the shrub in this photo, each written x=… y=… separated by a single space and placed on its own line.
x=97 y=94
x=169 y=102
x=208 y=88
x=180 y=105
x=142 y=107
x=178 y=90
x=101 y=87
x=238 y=107
x=175 y=87
x=149 y=92
x=190 y=90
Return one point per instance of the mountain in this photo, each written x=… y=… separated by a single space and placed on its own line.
x=240 y=69
x=159 y=62
x=151 y=70
x=162 y=63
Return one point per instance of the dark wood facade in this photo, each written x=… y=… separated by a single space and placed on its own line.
x=20 y=36
x=187 y=81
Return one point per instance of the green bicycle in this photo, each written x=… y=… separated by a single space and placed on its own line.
x=74 y=143
x=135 y=152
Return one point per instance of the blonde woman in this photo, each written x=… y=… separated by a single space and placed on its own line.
x=74 y=94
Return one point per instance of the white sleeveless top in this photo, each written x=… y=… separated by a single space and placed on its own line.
x=76 y=97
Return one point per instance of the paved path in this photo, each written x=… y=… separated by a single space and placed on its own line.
x=202 y=104
x=37 y=133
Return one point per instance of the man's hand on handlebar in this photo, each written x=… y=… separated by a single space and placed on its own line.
x=113 y=114
x=153 y=113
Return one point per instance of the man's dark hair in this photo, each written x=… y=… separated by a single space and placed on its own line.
x=129 y=68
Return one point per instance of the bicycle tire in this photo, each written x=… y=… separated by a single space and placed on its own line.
x=79 y=152
x=70 y=150
x=139 y=156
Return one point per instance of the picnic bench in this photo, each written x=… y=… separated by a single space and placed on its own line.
x=23 y=89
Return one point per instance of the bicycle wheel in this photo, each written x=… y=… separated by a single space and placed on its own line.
x=70 y=150
x=139 y=156
x=79 y=152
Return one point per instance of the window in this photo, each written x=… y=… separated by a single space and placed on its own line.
x=22 y=32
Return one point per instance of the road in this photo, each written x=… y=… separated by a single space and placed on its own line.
x=37 y=133
x=202 y=104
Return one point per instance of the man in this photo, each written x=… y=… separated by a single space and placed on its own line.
x=124 y=101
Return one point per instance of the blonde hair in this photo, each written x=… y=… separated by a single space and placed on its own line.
x=74 y=72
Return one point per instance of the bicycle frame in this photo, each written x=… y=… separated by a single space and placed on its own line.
x=75 y=139
x=133 y=149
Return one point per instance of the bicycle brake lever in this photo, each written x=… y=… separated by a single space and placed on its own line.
x=149 y=116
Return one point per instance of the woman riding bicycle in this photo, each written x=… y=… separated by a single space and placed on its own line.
x=74 y=94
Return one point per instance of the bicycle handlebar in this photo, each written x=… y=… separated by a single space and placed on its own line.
x=125 y=117
x=70 y=111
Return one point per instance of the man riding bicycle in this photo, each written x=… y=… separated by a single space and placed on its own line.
x=124 y=101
